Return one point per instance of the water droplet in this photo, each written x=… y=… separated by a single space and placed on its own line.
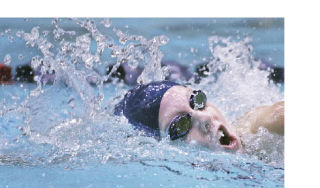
x=19 y=34
x=11 y=39
x=7 y=31
x=107 y=23
x=7 y=59
x=163 y=39
x=20 y=56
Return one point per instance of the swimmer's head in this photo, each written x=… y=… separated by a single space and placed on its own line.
x=177 y=112
x=141 y=106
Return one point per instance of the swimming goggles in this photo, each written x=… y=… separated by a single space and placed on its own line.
x=181 y=125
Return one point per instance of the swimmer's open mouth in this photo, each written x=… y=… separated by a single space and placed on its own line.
x=227 y=140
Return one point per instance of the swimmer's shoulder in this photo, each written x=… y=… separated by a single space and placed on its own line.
x=270 y=117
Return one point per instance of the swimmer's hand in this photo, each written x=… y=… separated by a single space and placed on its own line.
x=270 y=117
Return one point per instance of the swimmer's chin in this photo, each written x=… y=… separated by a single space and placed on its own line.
x=235 y=146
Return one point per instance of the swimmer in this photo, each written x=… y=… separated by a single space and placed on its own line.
x=5 y=74
x=270 y=117
x=167 y=109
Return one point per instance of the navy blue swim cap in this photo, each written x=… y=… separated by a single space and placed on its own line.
x=141 y=106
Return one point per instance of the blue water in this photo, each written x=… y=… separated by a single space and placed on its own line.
x=64 y=135
x=184 y=33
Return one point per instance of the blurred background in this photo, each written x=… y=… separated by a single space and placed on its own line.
x=188 y=37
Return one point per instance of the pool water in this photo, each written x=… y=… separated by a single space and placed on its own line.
x=65 y=133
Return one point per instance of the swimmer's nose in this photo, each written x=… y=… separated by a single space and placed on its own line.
x=203 y=120
x=208 y=124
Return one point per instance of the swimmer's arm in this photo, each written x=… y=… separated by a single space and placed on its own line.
x=270 y=117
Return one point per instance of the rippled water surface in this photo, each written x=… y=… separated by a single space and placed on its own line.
x=65 y=133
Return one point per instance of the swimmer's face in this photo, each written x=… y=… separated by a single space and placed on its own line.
x=209 y=127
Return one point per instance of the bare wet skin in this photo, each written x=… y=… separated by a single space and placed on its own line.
x=218 y=130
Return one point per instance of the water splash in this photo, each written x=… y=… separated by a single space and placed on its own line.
x=236 y=85
x=7 y=59
x=70 y=122
x=73 y=65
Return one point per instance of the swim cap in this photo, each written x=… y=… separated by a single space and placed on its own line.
x=141 y=106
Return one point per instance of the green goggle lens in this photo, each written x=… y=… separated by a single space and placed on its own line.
x=198 y=100
x=180 y=126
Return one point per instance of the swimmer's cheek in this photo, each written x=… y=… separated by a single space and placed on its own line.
x=196 y=137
